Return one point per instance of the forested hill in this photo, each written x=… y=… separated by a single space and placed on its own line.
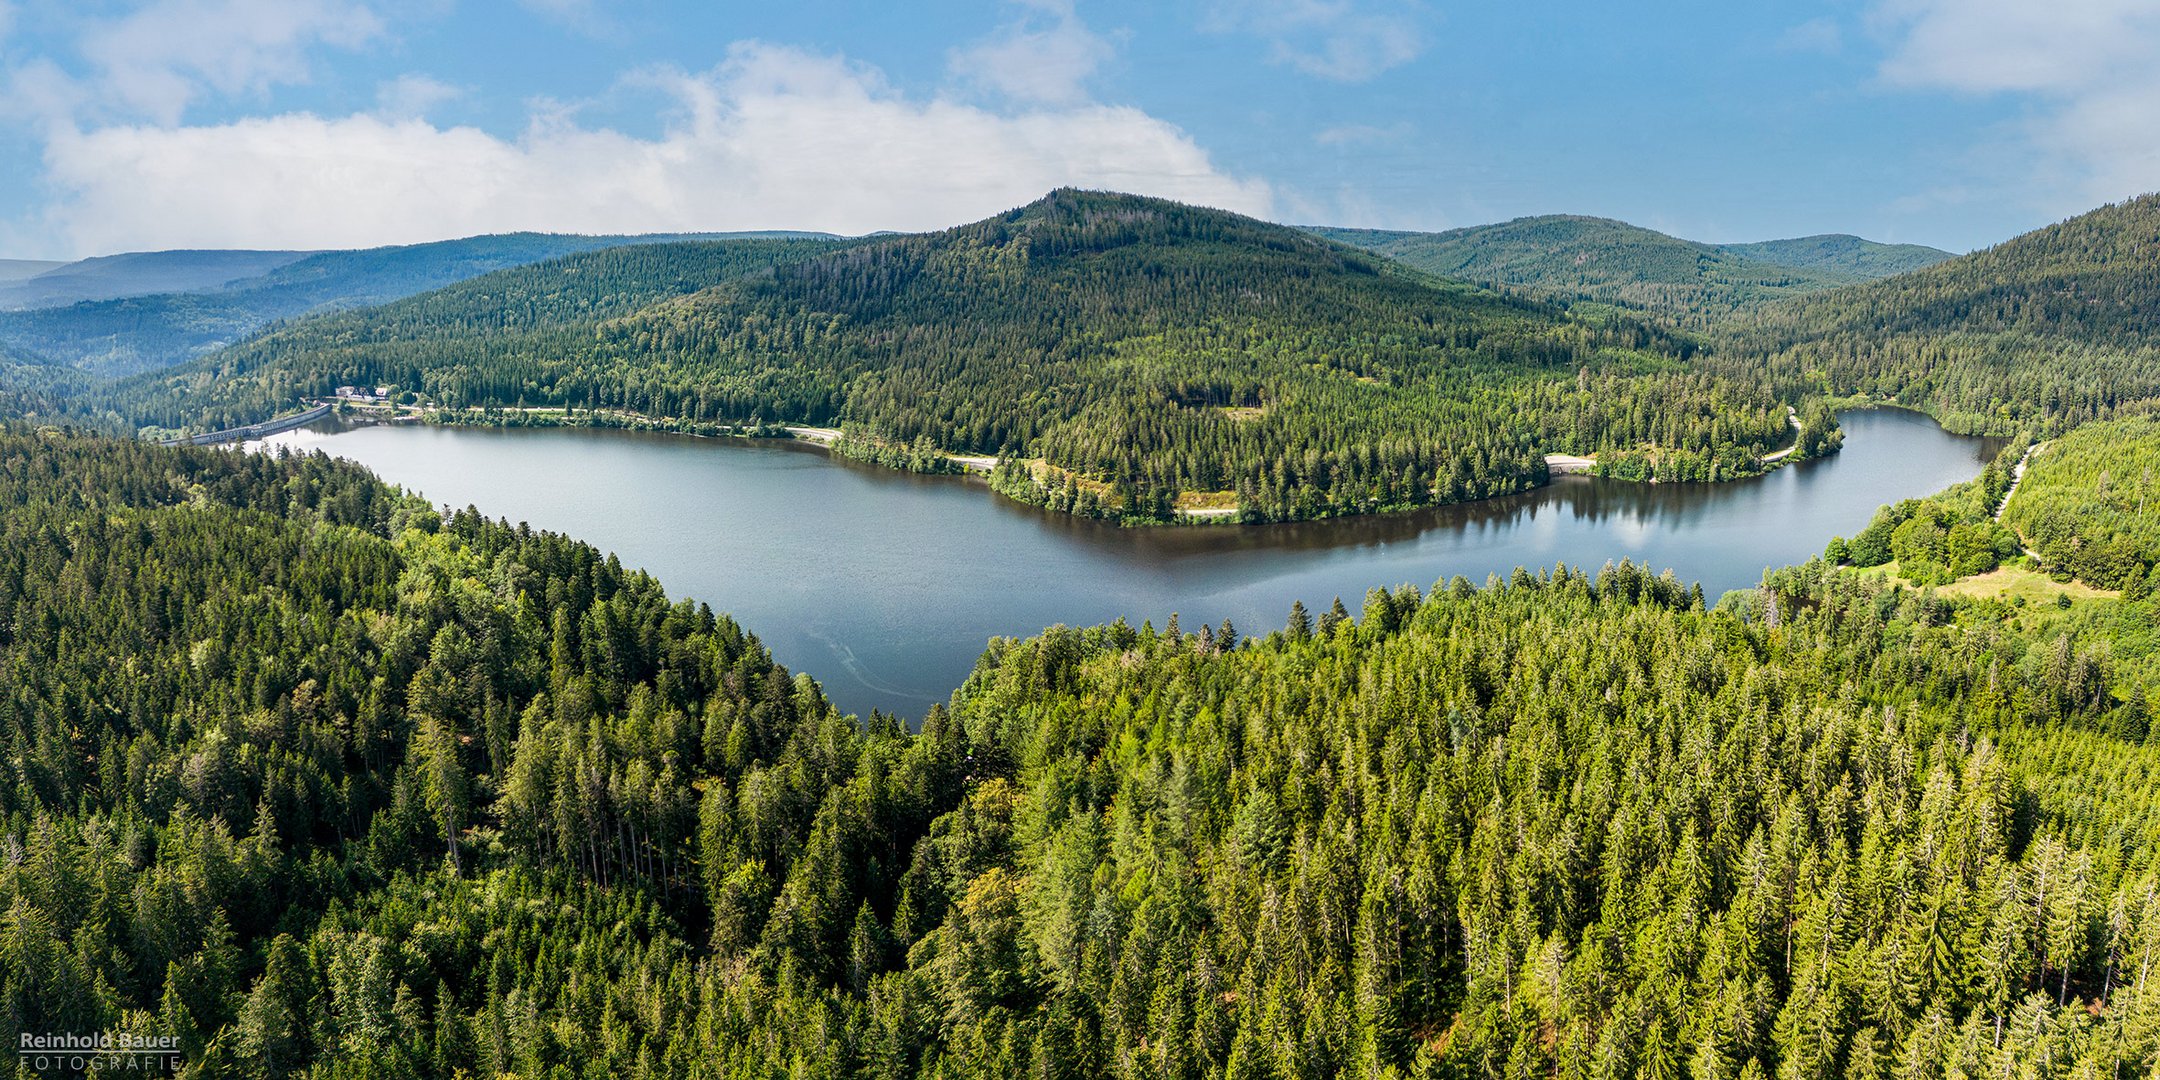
x=319 y=783
x=547 y=308
x=133 y=333
x=1601 y=259
x=1842 y=254
x=1127 y=352
x=2052 y=328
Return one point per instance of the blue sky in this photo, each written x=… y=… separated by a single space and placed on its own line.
x=321 y=123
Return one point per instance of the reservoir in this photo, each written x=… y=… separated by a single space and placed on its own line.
x=886 y=585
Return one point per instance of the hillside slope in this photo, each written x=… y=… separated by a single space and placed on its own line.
x=2089 y=505
x=2049 y=329
x=123 y=336
x=1150 y=349
x=544 y=309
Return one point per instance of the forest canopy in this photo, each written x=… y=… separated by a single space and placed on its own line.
x=321 y=781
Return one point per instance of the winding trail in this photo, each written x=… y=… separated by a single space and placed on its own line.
x=1792 y=415
x=2017 y=476
x=823 y=436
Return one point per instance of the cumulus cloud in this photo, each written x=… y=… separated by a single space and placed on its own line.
x=1989 y=45
x=2088 y=63
x=158 y=59
x=1343 y=40
x=774 y=137
x=1046 y=57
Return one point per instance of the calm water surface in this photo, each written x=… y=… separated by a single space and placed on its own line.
x=886 y=585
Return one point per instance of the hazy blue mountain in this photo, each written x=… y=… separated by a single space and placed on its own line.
x=17 y=269
x=140 y=273
x=124 y=335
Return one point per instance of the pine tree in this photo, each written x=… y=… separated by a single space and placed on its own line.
x=1299 y=627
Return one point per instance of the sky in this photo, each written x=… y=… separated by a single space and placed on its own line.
x=344 y=123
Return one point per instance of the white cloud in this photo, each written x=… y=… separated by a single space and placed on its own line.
x=2115 y=133
x=1344 y=40
x=774 y=138
x=1032 y=62
x=2089 y=64
x=157 y=60
x=413 y=95
x=1990 y=45
x=38 y=91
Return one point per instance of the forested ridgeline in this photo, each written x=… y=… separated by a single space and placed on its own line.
x=2047 y=331
x=320 y=782
x=1566 y=256
x=2089 y=505
x=1842 y=254
x=1153 y=349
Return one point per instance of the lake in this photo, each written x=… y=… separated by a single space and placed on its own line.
x=886 y=585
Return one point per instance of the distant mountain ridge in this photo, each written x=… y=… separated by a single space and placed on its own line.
x=1613 y=261
x=123 y=335
x=1841 y=253
x=139 y=273
x=13 y=270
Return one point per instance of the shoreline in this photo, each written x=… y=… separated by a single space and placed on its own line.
x=1575 y=465
x=829 y=439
